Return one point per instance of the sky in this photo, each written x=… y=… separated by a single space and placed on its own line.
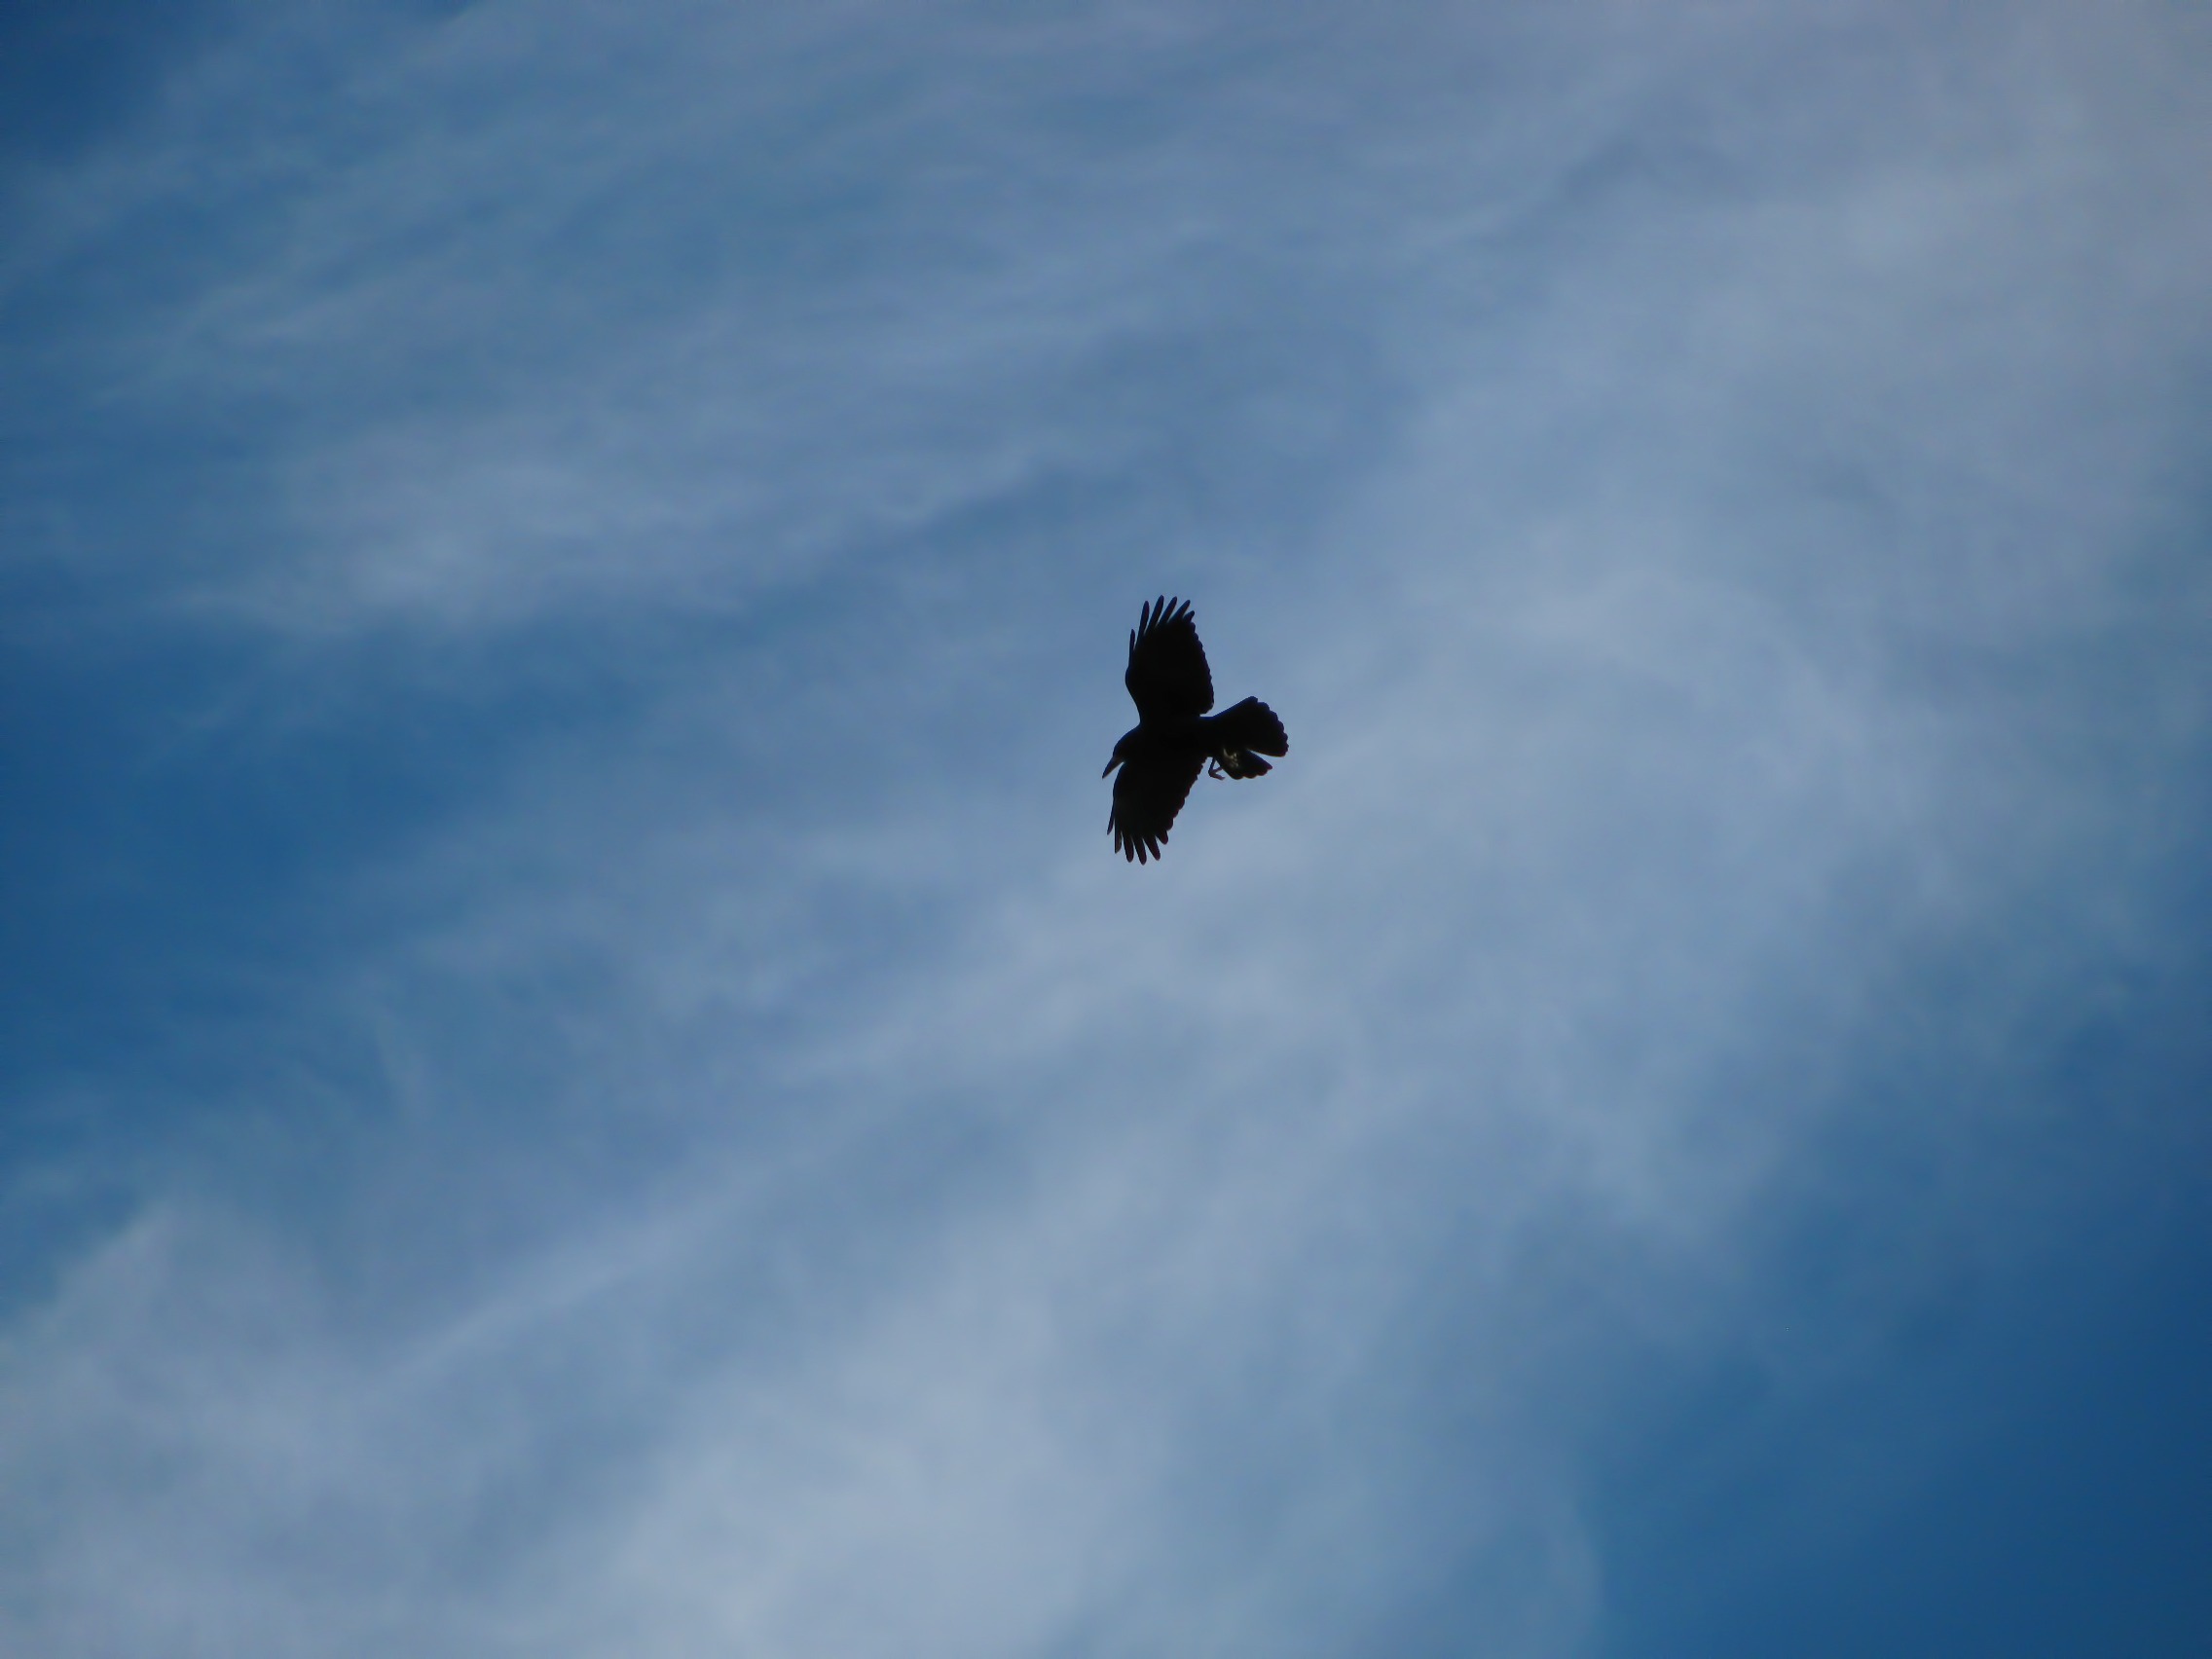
x=581 y=1076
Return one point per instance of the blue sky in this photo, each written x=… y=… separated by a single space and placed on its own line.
x=581 y=1078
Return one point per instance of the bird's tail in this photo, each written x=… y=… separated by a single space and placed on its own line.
x=1252 y=724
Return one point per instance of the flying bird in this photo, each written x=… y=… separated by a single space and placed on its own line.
x=1174 y=738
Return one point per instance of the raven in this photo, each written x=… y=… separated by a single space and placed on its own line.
x=1174 y=736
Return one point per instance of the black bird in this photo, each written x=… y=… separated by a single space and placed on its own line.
x=1174 y=736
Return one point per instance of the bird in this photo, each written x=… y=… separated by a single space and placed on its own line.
x=1174 y=738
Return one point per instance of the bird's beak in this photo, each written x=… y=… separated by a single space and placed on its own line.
x=1110 y=765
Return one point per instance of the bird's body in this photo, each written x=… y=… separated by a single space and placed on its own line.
x=1175 y=737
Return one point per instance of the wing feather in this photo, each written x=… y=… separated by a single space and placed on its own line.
x=1148 y=794
x=1168 y=675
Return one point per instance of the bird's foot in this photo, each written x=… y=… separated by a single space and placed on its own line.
x=1238 y=763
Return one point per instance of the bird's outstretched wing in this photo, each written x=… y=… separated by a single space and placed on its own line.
x=1168 y=677
x=1148 y=794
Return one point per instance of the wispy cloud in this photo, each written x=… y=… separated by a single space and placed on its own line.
x=743 y=1169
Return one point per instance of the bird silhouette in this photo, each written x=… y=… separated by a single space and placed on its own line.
x=1174 y=738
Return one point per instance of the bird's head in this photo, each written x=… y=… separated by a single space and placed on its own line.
x=1121 y=753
